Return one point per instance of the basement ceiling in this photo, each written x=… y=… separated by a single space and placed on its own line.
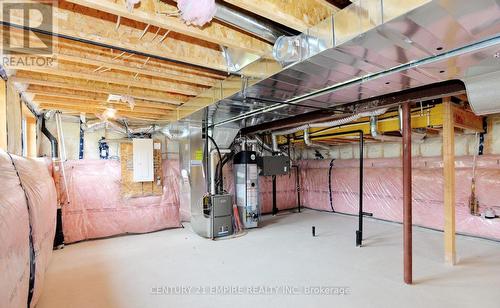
x=146 y=54
x=436 y=41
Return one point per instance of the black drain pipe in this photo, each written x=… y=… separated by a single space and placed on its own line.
x=361 y=214
x=330 y=184
x=54 y=149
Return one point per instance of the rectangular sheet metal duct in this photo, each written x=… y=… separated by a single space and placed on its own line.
x=389 y=49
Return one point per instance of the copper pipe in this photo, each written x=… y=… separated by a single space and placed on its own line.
x=407 y=198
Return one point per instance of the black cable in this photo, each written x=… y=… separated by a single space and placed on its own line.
x=220 y=156
x=219 y=183
x=330 y=184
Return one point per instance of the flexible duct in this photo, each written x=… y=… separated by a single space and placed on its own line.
x=172 y=132
x=416 y=137
x=92 y=126
x=309 y=143
x=264 y=145
x=332 y=123
x=378 y=136
x=175 y=133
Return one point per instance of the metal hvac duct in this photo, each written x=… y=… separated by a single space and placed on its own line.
x=337 y=122
x=291 y=49
x=264 y=30
x=379 y=57
x=378 y=136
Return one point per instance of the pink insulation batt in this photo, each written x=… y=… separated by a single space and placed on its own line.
x=197 y=12
x=36 y=206
x=42 y=199
x=383 y=190
x=97 y=208
x=14 y=238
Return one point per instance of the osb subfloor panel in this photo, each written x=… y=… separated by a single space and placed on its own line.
x=126 y=271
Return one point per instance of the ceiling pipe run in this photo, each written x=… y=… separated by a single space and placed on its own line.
x=333 y=123
x=377 y=135
x=309 y=143
x=457 y=52
x=423 y=93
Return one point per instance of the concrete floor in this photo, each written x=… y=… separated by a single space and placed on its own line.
x=137 y=270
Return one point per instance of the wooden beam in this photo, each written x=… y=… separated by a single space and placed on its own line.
x=14 y=120
x=147 y=71
x=98 y=110
x=31 y=130
x=3 y=114
x=299 y=15
x=97 y=87
x=449 y=182
x=466 y=119
x=212 y=32
x=42 y=100
x=79 y=52
x=94 y=97
x=88 y=24
x=79 y=72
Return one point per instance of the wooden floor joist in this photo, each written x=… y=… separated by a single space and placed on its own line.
x=212 y=32
x=65 y=104
x=300 y=16
x=98 y=87
x=69 y=95
x=139 y=105
x=102 y=30
x=99 y=110
x=113 y=77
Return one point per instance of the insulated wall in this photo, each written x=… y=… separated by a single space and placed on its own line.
x=14 y=238
x=97 y=209
x=27 y=201
x=42 y=200
x=383 y=190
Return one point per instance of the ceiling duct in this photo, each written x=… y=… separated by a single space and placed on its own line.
x=333 y=123
x=309 y=143
x=258 y=27
x=373 y=48
x=236 y=59
x=175 y=132
x=291 y=49
x=482 y=92
x=378 y=136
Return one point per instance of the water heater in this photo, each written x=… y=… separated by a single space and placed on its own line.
x=246 y=182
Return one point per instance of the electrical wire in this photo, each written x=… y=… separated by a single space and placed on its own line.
x=330 y=184
x=218 y=152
